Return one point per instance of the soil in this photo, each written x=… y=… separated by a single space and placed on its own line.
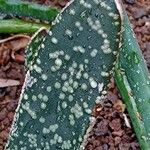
x=113 y=130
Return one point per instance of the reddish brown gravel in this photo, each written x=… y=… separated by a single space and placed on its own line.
x=112 y=129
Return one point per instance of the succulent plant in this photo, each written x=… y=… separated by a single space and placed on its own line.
x=68 y=70
x=34 y=14
x=26 y=9
x=20 y=26
x=133 y=80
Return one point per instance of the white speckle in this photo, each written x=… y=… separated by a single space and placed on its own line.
x=81 y=66
x=66 y=84
x=88 y=111
x=68 y=32
x=111 y=14
x=67 y=57
x=34 y=98
x=81 y=28
x=54 y=40
x=107 y=51
x=77 y=24
x=94 y=52
x=72 y=12
x=71 y=119
x=78 y=75
x=43 y=105
x=86 y=5
x=86 y=61
x=117 y=23
x=115 y=52
x=70 y=98
x=66 y=145
x=62 y=96
x=50 y=33
x=84 y=86
x=59 y=139
x=53 y=128
x=104 y=92
x=104 y=74
x=42 y=120
x=37 y=69
x=44 y=77
x=21 y=124
x=100 y=31
x=64 y=105
x=53 y=69
x=85 y=75
x=70 y=89
x=93 y=84
x=30 y=112
x=98 y=100
x=45 y=131
x=58 y=62
x=104 y=35
x=80 y=139
x=106 y=41
x=61 y=52
x=75 y=48
x=100 y=87
x=25 y=96
x=40 y=96
x=70 y=81
x=45 y=98
x=77 y=110
x=64 y=89
x=75 y=84
x=74 y=65
x=49 y=89
x=85 y=105
x=21 y=111
x=74 y=141
x=57 y=85
x=38 y=61
x=71 y=70
x=53 y=55
x=79 y=49
x=42 y=46
x=64 y=76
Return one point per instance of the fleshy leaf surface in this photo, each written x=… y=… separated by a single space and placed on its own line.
x=27 y=9
x=68 y=72
x=133 y=81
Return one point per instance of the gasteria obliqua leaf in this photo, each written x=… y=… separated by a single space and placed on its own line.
x=27 y=9
x=20 y=26
x=68 y=71
x=133 y=80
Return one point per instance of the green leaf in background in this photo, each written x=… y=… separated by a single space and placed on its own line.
x=133 y=80
x=20 y=26
x=67 y=73
x=26 y=9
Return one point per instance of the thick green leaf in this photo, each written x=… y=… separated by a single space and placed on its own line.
x=20 y=26
x=26 y=9
x=69 y=71
x=133 y=80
